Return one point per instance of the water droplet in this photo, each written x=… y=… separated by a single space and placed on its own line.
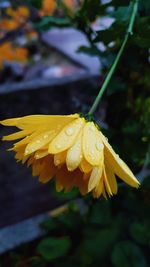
x=99 y=146
x=69 y=131
x=57 y=162
x=45 y=136
x=58 y=146
x=38 y=141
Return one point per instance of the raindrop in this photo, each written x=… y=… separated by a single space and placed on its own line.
x=69 y=131
x=58 y=146
x=38 y=141
x=99 y=146
x=57 y=162
x=45 y=136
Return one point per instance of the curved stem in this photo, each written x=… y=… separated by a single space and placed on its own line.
x=114 y=65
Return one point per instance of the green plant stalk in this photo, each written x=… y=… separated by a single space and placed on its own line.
x=129 y=32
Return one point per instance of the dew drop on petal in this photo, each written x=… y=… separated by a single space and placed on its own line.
x=99 y=146
x=45 y=136
x=69 y=131
x=57 y=162
x=58 y=146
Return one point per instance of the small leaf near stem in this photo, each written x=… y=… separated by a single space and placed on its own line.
x=114 y=65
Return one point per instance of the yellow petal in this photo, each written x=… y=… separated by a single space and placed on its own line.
x=60 y=158
x=85 y=166
x=92 y=144
x=41 y=154
x=39 y=141
x=26 y=140
x=74 y=155
x=118 y=166
x=15 y=136
x=48 y=170
x=64 y=181
x=66 y=138
x=39 y=121
x=30 y=161
x=111 y=179
x=94 y=178
x=99 y=188
x=107 y=186
x=36 y=168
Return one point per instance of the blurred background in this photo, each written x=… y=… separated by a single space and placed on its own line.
x=54 y=56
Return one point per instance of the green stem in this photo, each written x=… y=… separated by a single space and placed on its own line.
x=114 y=65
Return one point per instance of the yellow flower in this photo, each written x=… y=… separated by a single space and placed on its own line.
x=71 y=149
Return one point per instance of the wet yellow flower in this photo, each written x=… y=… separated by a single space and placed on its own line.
x=71 y=149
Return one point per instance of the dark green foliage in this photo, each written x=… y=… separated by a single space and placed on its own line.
x=127 y=254
x=113 y=233
x=52 y=248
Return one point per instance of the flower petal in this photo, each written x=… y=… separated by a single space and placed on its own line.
x=107 y=186
x=85 y=166
x=94 y=178
x=99 y=188
x=119 y=167
x=39 y=141
x=60 y=158
x=111 y=179
x=39 y=120
x=74 y=155
x=66 y=138
x=92 y=144
x=17 y=135
x=41 y=153
x=48 y=170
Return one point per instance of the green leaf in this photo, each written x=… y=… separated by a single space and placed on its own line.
x=101 y=213
x=49 y=225
x=127 y=254
x=122 y=14
x=99 y=242
x=140 y=232
x=145 y=7
x=92 y=51
x=37 y=262
x=116 y=31
x=53 y=247
x=141 y=36
x=35 y=3
x=52 y=21
x=117 y=2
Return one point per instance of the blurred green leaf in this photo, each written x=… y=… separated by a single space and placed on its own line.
x=35 y=3
x=99 y=242
x=54 y=247
x=101 y=213
x=113 y=33
x=47 y=22
x=122 y=14
x=140 y=232
x=37 y=262
x=127 y=254
x=117 y=2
